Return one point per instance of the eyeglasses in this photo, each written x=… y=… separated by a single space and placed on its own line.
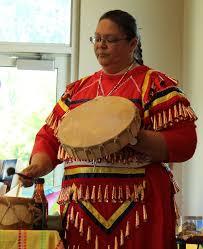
x=107 y=40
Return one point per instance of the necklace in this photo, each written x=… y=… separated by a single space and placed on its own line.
x=117 y=84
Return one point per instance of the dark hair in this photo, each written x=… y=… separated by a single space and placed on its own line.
x=128 y=25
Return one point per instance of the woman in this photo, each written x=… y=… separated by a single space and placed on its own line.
x=110 y=209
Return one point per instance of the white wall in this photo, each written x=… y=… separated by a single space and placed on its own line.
x=160 y=23
x=193 y=86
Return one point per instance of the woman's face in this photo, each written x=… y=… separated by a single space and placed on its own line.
x=113 y=50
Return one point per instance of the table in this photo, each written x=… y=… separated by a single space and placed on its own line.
x=30 y=239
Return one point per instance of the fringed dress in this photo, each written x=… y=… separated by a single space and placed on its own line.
x=122 y=203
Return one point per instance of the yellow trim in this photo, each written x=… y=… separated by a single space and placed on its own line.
x=146 y=114
x=107 y=223
x=166 y=98
x=162 y=100
x=192 y=246
x=100 y=169
x=145 y=84
x=63 y=105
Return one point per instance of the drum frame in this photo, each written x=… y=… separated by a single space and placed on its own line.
x=107 y=148
x=10 y=203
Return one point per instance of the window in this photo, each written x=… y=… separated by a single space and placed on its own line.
x=26 y=97
x=35 y=66
x=35 y=21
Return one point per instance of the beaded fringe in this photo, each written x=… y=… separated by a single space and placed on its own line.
x=176 y=113
x=63 y=155
x=53 y=122
x=125 y=156
x=102 y=194
x=86 y=230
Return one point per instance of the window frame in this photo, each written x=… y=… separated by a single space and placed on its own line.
x=52 y=48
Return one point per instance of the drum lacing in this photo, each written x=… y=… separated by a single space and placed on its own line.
x=9 y=207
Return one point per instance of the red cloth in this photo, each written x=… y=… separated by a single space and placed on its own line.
x=158 y=232
x=46 y=142
x=181 y=141
x=151 y=98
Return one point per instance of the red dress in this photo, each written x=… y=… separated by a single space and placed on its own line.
x=118 y=205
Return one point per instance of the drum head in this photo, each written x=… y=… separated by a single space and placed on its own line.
x=96 y=121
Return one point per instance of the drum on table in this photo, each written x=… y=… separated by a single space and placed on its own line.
x=15 y=213
x=99 y=128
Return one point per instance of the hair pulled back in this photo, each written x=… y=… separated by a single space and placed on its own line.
x=128 y=25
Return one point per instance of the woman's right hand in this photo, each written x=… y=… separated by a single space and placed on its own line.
x=32 y=171
x=40 y=165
